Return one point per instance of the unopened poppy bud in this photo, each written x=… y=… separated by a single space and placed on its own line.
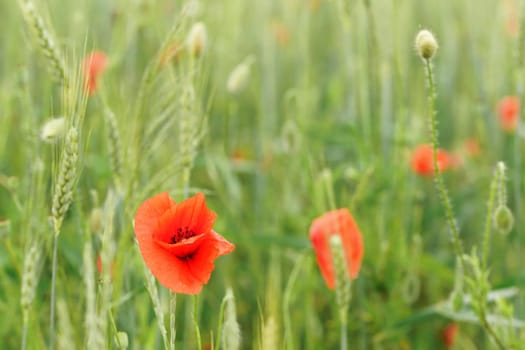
x=197 y=39
x=121 y=338
x=53 y=129
x=239 y=77
x=503 y=219
x=426 y=44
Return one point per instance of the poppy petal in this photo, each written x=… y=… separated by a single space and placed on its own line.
x=202 y=261
x=194 y=214
x=150 y=212
x=337 y=222
x=223 y=246
x=171 y=271
x=324 y=258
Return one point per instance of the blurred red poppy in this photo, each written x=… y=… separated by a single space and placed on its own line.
x=100 y=267
x=337 y=222
x=449 y=334
x=177 y=242
x=508 y=112
x=93 y=65
x=422 y=160
x=472 y=147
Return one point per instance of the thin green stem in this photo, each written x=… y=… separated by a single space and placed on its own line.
x=53 y=294
x=196 y=322
x=344 y=339
x=488 y=219
x=287 y=298
x=173 y=309
x=485 y=323
x=440 y=184
x=24 y=331
x=219 y=326
x=115 y=330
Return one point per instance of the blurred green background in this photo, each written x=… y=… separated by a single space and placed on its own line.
x=334 y=87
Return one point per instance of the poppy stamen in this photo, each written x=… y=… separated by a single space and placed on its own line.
x=182 y=234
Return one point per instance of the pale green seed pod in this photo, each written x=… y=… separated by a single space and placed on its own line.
x=53 y=130
x=197 y=39
x=122 y=340
x=426 y=44
x=503 y=219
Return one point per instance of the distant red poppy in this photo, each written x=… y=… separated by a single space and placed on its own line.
x=449 y=334
x=472 y=147
x=281 y=33
x=177 y=242
x=100 y=267
x=508 y=112
x=337 y=222
x=422 y=160
x=93 y=65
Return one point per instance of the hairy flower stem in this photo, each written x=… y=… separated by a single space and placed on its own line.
x=53 y=293
x=440 y=184
x=196 y=322
x=488 y=220
x=342 y=285
x=173 y=309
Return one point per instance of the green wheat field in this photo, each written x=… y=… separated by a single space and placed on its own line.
x=275 y=115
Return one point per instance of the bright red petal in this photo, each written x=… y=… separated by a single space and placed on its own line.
x=352 y=242
x=221 y=244
x=171 y=271
x=319 y=239
x=202 y=262
x=194 y=214
x=149 y=213
x=338 y=222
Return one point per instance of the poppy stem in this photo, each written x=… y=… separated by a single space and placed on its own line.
x=173 y=309
x=440 y=184
x=196 y=322
x=488 y=219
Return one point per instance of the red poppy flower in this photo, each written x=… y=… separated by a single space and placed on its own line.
x=423 y=163
x=94 y=64
x=337 y=222
x=449 y=334
x=177 y=242
x=508 y=111
x=472 y=147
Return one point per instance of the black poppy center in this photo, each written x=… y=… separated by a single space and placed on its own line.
x=181 y=234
